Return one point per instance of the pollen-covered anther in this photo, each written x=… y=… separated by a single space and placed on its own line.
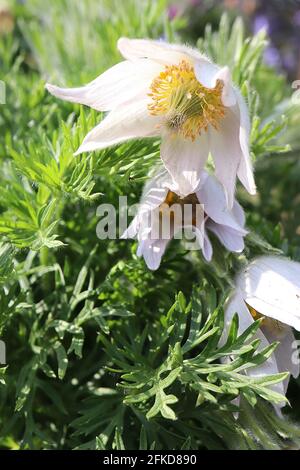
x=188 y=106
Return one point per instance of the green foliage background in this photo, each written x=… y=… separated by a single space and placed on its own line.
x=102 y=353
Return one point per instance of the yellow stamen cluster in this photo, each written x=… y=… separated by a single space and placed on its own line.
x=188 y=106
x=274 y=326
x=168 y=206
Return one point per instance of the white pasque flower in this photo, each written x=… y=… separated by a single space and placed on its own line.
x=269 y=288
x=177 y=93
x=162 y=214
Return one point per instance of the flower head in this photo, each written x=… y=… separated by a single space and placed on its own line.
x=187 y=106
x=269 y=289
x=163 y=213
x=177 y=93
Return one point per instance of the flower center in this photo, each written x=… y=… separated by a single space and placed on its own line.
x=189 y=206
x=273 y=326
x=188 y=106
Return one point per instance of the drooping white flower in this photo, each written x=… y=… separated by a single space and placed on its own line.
x=157 y=220
x=269 y=288
x=177 y=93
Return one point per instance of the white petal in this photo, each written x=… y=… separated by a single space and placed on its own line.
x=128 y=121
x=226 y=152
x=228 y=94
x=209 y=74
x=149 y=214
x=207 y=249
x=132 y=229
x=245 y=170
x=286 y=352
x=140 y=227
x=196 y=231
x=231 y=239
x=154 y=194
x=200 y=236
x=231 y=97
x=237 y=305
x=160 y=51
x=206 y=75
x=211 y=194
x=184 y=160
x=152 y=251
x=121 y=83
x=271 y=285
x=239 y=214
x=156 y=190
